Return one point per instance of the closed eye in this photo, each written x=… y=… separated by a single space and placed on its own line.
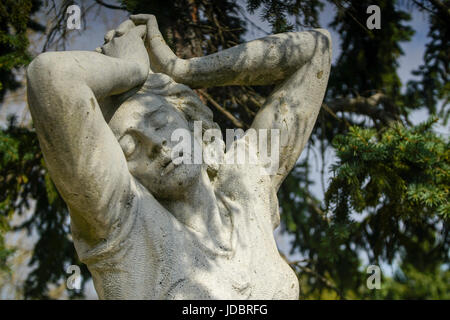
x=134 y=142
x=157 y=120
x=129 y=145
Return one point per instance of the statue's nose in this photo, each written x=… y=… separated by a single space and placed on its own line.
x=163 y=147
x=155 y=139
x=155 y=144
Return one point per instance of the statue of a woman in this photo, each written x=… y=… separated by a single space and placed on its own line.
x=148 y=228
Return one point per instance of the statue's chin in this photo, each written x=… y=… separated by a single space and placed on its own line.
x=174 y=183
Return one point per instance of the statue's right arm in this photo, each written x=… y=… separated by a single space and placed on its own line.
x=83 y=156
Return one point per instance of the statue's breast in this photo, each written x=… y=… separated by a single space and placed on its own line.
x=165 y=260
x=253 y=269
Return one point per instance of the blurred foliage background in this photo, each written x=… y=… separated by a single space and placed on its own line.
x=385 y=201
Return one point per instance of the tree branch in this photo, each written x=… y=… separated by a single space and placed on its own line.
x=110 y=6
x=324 y=280
x=227 y=114
x=442 y=8
x=310 y=271
x=366 y=106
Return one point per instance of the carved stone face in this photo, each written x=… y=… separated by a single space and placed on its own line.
x=144 y=129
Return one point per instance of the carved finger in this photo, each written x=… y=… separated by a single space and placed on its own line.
x=124 y=27
x=139 y=31
x=109 y=35
x=141 y=18
x=150 y=21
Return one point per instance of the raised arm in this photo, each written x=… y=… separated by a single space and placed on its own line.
x=83 y=157
x=299 y=62
x=259 y=62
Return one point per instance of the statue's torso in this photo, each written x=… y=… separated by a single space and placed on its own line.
x=159 y=258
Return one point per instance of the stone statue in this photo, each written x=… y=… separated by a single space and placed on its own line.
x=151 y=229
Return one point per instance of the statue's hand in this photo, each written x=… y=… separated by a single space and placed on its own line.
x=159 y=53
x=150 y=22
x=162 y=58
x=126 y=42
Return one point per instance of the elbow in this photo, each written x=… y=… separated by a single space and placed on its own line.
x=43 y=80
x=42 y=69
x=38 y=69
x=324 y=33
x=39 y=65
x=324 y=41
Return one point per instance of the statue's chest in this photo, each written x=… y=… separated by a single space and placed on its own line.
x=254 y=270
x=251 y=269
x=248 y=266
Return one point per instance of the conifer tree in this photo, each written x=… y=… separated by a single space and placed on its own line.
x=387 y=198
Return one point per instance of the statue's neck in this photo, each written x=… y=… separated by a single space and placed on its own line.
x=199 y=210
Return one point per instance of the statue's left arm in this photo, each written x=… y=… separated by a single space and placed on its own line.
x=299 y=62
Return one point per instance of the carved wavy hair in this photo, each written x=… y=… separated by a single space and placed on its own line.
x=180 y=96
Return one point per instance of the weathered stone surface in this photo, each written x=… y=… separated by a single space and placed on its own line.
x=145 y=227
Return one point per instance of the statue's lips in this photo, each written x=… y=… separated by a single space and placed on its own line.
x=168 y=167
